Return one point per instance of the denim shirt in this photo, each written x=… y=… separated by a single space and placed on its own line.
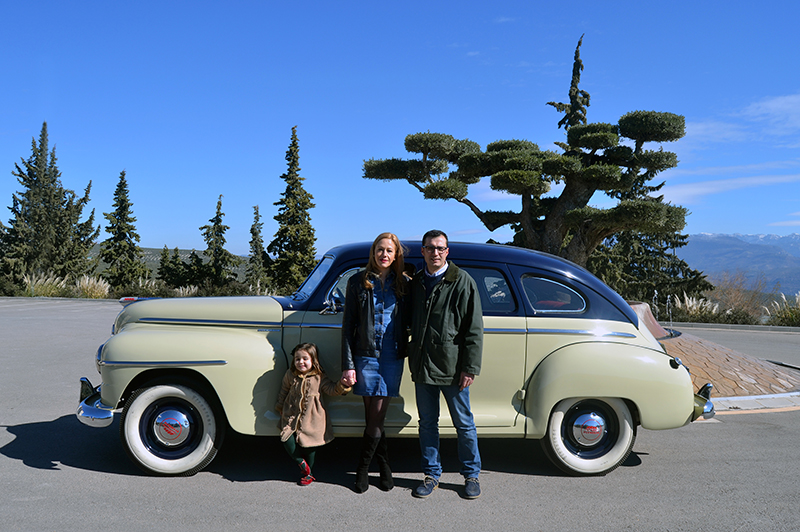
x=384 y=300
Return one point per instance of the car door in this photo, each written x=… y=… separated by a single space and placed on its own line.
x=496 y=396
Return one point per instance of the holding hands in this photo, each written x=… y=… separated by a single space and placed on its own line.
x=349 y=377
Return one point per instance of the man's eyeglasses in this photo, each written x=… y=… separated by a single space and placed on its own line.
x=434 y=249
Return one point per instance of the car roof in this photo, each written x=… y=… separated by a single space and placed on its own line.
x=500 y=253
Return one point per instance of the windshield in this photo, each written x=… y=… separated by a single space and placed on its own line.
x=312 y=281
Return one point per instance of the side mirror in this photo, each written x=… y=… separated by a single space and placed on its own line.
x=333 y=306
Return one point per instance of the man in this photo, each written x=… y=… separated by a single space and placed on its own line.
x=444 y=356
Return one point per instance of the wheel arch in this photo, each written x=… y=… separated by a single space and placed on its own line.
x=657 y=395
x=180 y=376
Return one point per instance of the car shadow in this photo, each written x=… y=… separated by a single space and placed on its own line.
x=65 y=441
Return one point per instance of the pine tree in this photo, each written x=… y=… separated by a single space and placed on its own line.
x=221 y=262
x=120 y=250
x=259 y=262
x=293 y=245
x=45 y=233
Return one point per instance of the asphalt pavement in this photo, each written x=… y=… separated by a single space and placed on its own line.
x=734 y=472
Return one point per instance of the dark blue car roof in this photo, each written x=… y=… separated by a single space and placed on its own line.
x=499 y=253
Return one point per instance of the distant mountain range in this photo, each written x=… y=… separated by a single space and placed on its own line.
x=775 y=258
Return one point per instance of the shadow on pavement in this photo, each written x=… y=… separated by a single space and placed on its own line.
x=65 y=441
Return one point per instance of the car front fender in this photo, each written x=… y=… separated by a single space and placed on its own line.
x=661 y=392
x=243 y=366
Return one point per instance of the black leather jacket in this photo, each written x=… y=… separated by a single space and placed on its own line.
x=358 y=323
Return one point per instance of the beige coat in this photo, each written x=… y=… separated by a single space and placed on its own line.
x=302 y=410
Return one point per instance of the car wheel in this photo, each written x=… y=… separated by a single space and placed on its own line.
x=170 y=430
x=589 y=436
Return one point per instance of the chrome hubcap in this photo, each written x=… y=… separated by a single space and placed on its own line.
x=171 y=427
x=588 y=429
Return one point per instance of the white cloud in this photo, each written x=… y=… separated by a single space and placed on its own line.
x=790 y=223
x=689 y=193
x=782 y=113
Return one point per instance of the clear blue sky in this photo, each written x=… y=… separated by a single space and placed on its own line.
x=197 y=99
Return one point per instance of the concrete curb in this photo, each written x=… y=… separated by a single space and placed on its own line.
x=757 y=402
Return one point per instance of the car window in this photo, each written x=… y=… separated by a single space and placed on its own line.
x=548 y=296
x=496 y=296
x=339 y=288
x=312 y=281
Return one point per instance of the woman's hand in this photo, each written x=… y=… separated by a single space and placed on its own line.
x=349 y=377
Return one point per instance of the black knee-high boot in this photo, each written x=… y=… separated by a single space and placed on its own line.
x=382 y=454
x=368 y=446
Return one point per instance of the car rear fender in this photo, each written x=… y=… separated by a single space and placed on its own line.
x=661 y=393
x=242 y=366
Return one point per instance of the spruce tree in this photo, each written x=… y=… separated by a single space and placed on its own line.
x=293 y=244
x=259 y=261
x=45 y=233
x=221 y=262
x=120 y=251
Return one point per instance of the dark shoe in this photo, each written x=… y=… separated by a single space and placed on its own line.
x=306 y=480
x=368 y=446
x=382 y=454
x=424 y=490
x=472 y=488
x=304 y=468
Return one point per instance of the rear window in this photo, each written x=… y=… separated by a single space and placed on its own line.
x=548 y=296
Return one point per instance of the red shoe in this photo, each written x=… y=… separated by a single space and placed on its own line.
x=306 y=480
x=304 y=468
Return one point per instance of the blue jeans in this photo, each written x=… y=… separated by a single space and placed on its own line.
x=458 y=405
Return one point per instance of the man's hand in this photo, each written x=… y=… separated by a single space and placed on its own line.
x=466 y=380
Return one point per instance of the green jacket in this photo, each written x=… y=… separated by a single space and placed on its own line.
x=446 y=329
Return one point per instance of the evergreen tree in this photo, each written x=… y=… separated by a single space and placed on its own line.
x=45 y=233
x=221 y=262
x=592 y=160
x=120 y=250
x=293 y=245
x=642 y=266
x=195 y=271
x=259 y=262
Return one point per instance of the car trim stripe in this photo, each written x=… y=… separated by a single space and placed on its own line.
x=497 y=330
x=583 y=332
x=163 y=363
x=192 y=321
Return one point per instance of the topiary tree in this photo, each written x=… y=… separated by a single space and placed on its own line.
x=120 y=251
x=293 y=245
x=592 y=159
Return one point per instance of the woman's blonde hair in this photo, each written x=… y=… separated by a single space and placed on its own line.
x=398 y=266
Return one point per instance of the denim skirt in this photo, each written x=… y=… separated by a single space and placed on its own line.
x=378 y=376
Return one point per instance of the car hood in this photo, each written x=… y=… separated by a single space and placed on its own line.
x=250 y=311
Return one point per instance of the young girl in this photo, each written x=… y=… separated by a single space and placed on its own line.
x=304 y=421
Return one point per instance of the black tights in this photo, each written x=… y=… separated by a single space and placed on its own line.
x=375 y=409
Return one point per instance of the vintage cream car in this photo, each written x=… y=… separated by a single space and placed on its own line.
x=565 y=361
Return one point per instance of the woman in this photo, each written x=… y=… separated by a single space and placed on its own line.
x=374 y=339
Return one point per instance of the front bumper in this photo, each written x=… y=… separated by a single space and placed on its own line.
x=91 y=410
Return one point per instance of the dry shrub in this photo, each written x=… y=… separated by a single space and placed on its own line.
x=92 y=287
